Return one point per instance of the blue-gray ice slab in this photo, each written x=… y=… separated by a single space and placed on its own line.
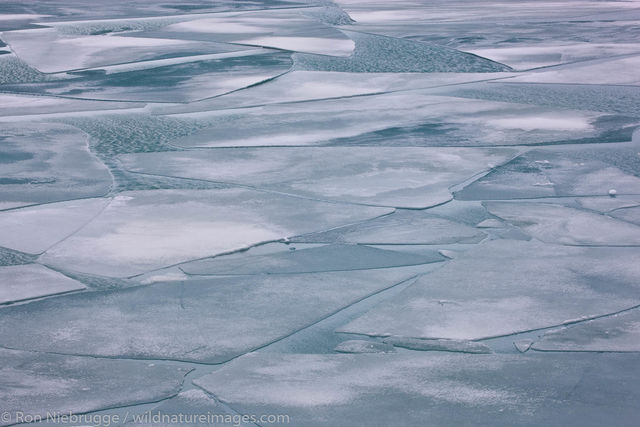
x=193 y=407
x=410 y=177
x=44 y=162
x=380 y=54
x=58 y=49
x=144 y=230
x=298 y=86
x=401 y=227
x=555 y=223
x=623 y=208
x=614 y=71
x=576 y=170
x=35 y=229
x=23 y=282
x=433 y=389
x=617 y=333
x=622 y=102
x=283 y=29
x=168 y=80
x=25 y=105
x=526 y=56
x=208 y=321
x=33 y=384
x=126 y=9
x=364 y=346
x=312 y=260
x=503 y=287
x=405 y=118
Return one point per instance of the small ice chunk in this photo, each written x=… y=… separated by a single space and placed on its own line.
x=523 y=345
x=363 y=346
x=459 y=346
x=612 y=192
x=490 y=223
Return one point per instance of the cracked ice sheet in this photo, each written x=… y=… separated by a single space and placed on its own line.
x=414 y=118
x=318 y=259
x=171 y=81
x=575 y=170
x=504 y=287
x=43 y=162
x=21 y=105
x=617 y=71
x=400 y=228
x=23 y=282
x=408 y=177
x=437 y=389
x=144 y=230
x=524 y=56
x=50 y=51
x=554 y=223
x=617 y=333
x=209 y=321
x=312 y=85
x=35 y=383
x=34 y=229
x=192 y=407
x=282 y=29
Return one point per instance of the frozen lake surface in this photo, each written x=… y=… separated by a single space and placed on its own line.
x=320 y=213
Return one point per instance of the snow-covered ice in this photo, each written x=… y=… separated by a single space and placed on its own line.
x=439 y=389
x=334 y=212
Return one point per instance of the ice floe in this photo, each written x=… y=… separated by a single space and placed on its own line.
x=409 y=177
x=503 y=287
x=48 y=163
x=34 y=386
x=440 y=389
x=210 y=321
x=23 y=282
x=145 y=230
x=317 y=259
x=554 y=223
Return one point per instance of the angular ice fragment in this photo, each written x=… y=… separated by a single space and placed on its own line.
x=363 y=346
x=34 y=384
x=617 y=333
x=312 y=260
x=400 y=177
x=553 y=223
x=401 y=227
x=459 y=346
x=490 y=223
x=503 y=287
x=523 y=345
x=209 y=321
x=22 y=282
x=145 y=230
